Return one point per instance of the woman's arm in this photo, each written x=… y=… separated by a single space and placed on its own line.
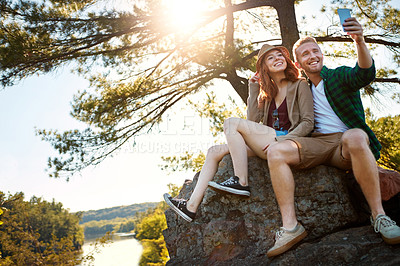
x=253 y=112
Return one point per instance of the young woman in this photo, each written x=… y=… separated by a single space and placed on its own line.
x=278 y=98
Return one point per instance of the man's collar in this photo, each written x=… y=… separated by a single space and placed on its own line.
x=324 y=72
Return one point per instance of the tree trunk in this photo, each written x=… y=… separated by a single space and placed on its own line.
x=287 y=23
x=289 y=35
x=239 y=83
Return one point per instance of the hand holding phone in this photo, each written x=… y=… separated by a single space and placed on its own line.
x=344 y=13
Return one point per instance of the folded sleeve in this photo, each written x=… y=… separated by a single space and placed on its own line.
x=253 y=112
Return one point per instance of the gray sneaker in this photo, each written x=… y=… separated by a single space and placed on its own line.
x=285 y=239
x=390 y=232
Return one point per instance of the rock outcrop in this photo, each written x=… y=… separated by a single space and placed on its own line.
x=232 y=230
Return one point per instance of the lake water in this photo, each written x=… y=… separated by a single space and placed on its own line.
x=121 y=252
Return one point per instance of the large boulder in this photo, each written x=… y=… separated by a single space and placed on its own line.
x=232 y=230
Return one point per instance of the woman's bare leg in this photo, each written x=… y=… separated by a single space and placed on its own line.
x=241 y=133
x=213 y=157
x=207 y=173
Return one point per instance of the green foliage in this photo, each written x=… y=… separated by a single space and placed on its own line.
x=94 y=229
x=154 y=252
x=216 y=113
x=119 y=219
x=387 y=130
x=97 y=228
x=148 y=229
x=116 y=212
x=173 y=190
x=128 y=226
x=38 y=232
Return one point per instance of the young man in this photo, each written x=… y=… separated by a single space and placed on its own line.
x=341 y=138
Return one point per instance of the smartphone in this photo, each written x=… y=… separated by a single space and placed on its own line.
x=344 y=13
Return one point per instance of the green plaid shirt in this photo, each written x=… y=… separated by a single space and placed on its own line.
x=342 y=89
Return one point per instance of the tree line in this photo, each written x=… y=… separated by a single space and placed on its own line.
x=37 y=232
x=94 y=229
x=147 y=227
x=119 y=219
x=115 y=212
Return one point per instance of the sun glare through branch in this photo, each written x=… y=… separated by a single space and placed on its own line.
x=185 y=14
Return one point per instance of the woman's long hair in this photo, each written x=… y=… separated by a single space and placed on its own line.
x=268 y=88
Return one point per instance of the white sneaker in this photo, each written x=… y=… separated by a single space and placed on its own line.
x=390 y=232
x=286 y=239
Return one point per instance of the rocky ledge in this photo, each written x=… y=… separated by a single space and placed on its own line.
x=232 y=230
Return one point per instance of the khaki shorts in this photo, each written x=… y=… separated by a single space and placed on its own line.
x=321 y=149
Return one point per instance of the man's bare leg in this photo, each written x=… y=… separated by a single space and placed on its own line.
x=280 y=157
x=356 y=148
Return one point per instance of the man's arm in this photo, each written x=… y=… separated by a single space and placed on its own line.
x=355 y=30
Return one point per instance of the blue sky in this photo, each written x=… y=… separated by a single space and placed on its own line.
x=43 y=102
x=133 y=176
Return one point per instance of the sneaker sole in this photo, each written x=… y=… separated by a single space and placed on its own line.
x=391 y=241
x=230 y=190
x=286 y=247
x=176 y=210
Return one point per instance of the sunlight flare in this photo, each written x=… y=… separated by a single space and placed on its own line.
x=185 y=14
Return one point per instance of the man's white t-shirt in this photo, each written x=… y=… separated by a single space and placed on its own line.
x=326 y=121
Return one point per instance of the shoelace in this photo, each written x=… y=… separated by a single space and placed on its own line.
x=230 y=181
x=382 y=221
x=180 y=202
x=279 y=234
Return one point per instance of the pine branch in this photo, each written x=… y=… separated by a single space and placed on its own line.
x=388 y=80
x=348 y=39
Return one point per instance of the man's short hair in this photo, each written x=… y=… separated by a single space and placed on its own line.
x=300 y=42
